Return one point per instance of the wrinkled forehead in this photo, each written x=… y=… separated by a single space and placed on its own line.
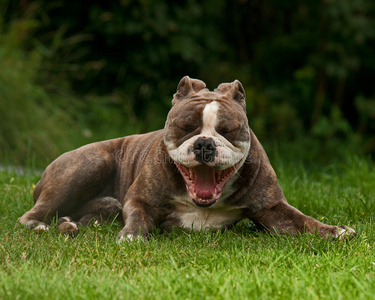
x=189 y=111
x=195 y=110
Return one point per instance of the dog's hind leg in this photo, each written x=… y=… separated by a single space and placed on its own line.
x=99 y=210
x=37 y=217
x=67 y=225
x=70 y=182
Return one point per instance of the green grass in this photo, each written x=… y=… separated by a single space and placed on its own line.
x=237 y=264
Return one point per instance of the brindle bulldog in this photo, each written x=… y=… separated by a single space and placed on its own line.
x=205 y=169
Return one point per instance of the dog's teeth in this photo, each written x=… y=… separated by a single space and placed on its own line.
x=191 y=173
x=219 y=175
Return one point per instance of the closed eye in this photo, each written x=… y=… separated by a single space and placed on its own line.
x=224 y=131
x=187 y=128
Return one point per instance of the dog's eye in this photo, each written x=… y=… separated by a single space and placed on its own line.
x=187 y=128
x=227 y=130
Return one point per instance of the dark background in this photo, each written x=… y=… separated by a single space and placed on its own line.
x=73 y=72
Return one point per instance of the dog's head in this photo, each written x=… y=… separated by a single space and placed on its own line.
x=207 y=135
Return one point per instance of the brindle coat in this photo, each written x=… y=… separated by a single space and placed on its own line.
x=135 y=177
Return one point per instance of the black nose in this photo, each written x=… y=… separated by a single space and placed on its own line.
x=205 y=150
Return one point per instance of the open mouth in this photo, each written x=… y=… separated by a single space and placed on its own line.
x=205 y=184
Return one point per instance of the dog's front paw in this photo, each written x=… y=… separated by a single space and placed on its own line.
x=344 y=232
x=130 y=238
x=37 y=226
x=126 y=237
x=41 y=227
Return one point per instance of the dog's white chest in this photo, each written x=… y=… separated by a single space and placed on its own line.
x=198 y=218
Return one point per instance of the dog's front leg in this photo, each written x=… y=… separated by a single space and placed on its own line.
x=138 y=221
x=284 y=218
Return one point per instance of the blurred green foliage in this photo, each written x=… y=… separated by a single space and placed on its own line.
x=74 y=72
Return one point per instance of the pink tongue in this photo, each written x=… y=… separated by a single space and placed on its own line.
x=205 y=182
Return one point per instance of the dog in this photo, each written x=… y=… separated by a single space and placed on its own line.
x=205 y=170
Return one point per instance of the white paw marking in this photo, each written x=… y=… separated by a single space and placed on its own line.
x=74 y=225
x=65 y=219
x=41 y=227
x=129 y=238
x=343 y=233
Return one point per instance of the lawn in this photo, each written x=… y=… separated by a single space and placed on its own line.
x=237 y=264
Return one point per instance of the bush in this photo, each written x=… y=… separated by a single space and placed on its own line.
x=40 y=123
x=27 y=126
x=74 y=73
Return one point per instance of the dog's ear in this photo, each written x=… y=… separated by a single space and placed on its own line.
x=186 y=87
x=233 y=90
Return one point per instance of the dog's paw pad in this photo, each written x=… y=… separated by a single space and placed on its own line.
x=344 y=232
x=70 y=228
